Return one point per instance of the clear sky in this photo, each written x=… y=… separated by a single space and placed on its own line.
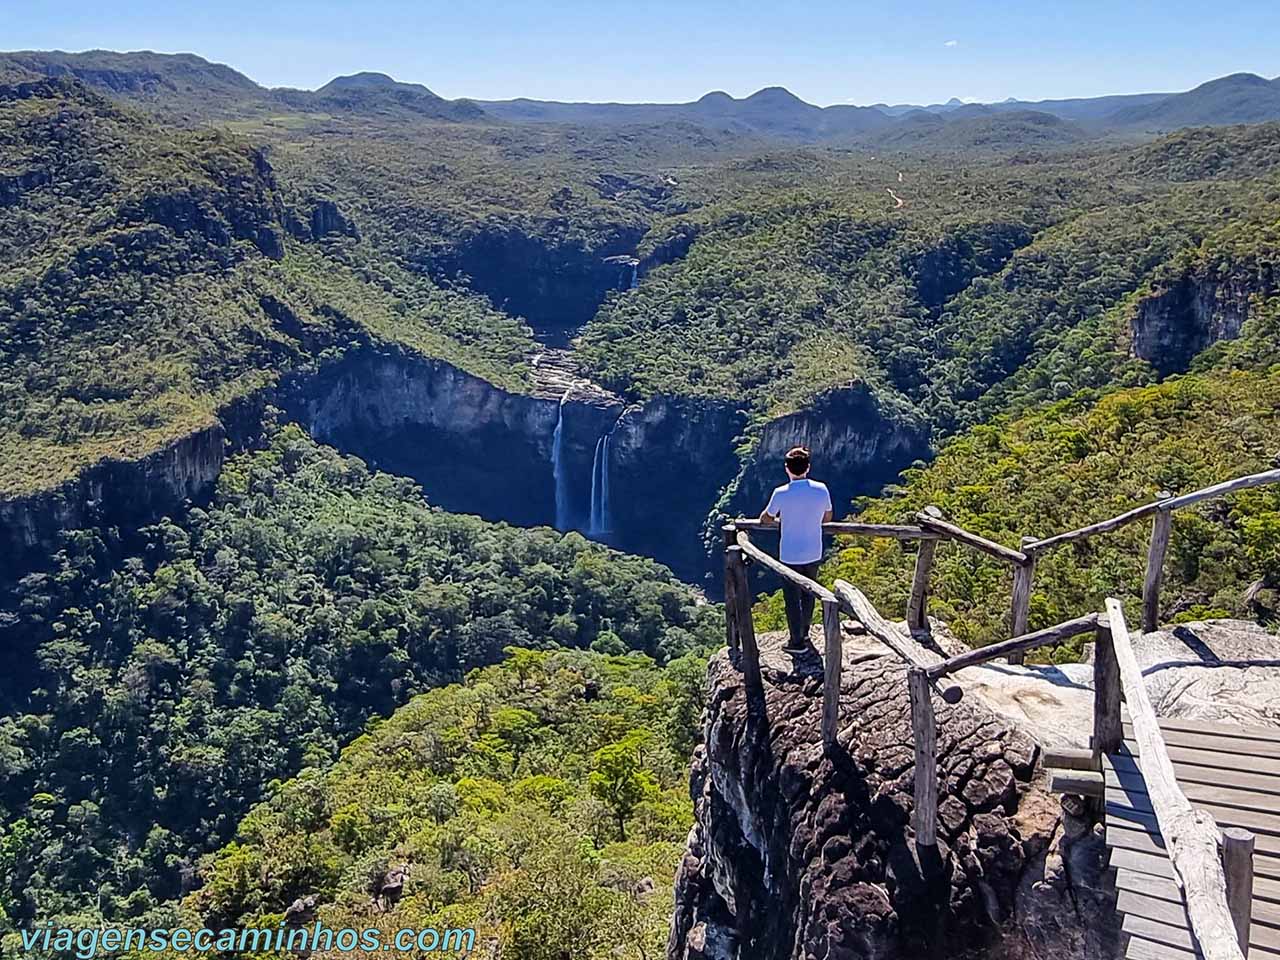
x=834 y=51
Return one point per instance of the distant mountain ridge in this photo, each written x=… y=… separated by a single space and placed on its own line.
x=1238 y=98
x=186 y=86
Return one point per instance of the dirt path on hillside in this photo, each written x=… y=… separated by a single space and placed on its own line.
x=897 y=200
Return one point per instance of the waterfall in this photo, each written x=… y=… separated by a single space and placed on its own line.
x=558 y=468
x=635 y=274
x=606 y=517
x=593 y=525
x=601 y=522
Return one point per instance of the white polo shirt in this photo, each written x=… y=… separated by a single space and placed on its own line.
x=800 y=505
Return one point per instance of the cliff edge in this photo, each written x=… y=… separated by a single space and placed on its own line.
x=797 y=854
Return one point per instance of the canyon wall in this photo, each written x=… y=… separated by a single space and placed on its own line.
x=124 y=493
x=1196 y=310
x=857 y=448
x=651 y=478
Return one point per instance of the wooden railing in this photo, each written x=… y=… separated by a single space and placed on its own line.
x=930 y=527
x=1217 y=886
x=1161 y=510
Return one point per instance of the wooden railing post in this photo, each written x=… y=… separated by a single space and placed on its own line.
x=1237 y=865
x=833 y=657
x=925 y=732
x=737 y=564
x=918 y=606
x=1023 y=576
x=1160 y=527
x=1108 y=730
x=730 y=606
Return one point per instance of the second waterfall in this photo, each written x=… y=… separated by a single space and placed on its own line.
x=601 y=522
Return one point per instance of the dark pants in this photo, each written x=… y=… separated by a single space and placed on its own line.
x=799 y=604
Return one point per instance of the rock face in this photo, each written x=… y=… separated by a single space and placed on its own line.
x=123 y=493
x=856 y=448
x=670 y=459
x=557 y=285
x=1190 y=314
x=475 y=447
x=797 y=854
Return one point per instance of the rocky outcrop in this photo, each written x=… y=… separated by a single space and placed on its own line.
x=1220 y=671
x=799 y=854
x=1194 y=311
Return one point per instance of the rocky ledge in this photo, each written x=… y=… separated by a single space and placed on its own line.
x=799 y=854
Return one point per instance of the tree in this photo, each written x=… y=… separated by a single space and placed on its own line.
x=618 y=777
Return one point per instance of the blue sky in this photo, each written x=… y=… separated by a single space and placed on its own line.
x=825 y=52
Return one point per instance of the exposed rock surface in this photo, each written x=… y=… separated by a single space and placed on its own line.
x=475 y=447
x=1223 y=671
x=554 y=283
x=1195 y=311
x=124 y=493
x=857 y=447
x=797 y=854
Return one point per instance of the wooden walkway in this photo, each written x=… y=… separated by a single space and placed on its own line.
x=1231 y=772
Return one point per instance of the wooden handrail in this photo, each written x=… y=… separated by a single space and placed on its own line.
x=1029 y=641
x=951 y=532
x=893 y=531
x=1191 y=835
x=857 y=605
x=782 y=570
x=1222 y=489
x=1164 y=502
x=1105 y=526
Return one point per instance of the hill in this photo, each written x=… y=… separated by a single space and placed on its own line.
x=188 y=88
x=119 y=232
x=1238 y=98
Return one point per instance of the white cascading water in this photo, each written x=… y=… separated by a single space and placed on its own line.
x=558 y=471
x=606 y=517
x=601 y=523
x=635 y=275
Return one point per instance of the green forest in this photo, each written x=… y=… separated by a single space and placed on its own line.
x=173 y=678
x=307 y=680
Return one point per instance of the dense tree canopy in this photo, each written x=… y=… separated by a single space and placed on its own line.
x=162 y=683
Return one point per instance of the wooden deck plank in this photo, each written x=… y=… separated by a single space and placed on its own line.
x=1218 y=743
x=1149 y=885
x=1256 y=820
x=1151 y=908
x=1142 y=949
x=1244 y=731
x=1138 y=862
x=1213 y=776
x=1220 y=761
x=1234 y=775
x=1132 y=782
x=1160 y=932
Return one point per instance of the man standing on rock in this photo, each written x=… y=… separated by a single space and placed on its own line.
x=803 y=506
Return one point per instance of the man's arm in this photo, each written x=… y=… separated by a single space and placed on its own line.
x=826 y=517
x=769 y=515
